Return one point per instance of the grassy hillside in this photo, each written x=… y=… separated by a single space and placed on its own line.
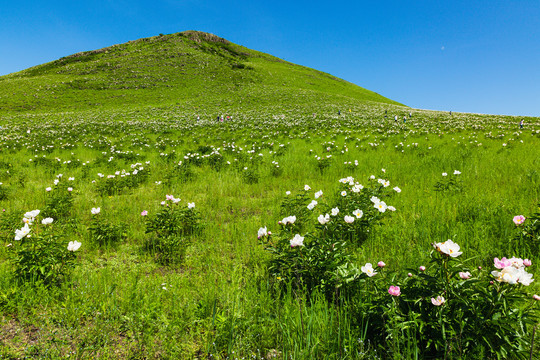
x=190 y=69
x=151 y=237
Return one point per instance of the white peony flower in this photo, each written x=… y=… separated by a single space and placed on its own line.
x=368 y=270
x=513 y=273
x=74 y=246
x=335 y=211
x=348 y=219
x=288 y=220
x=438 y=301
x=262 y=232
x=95 y=211
x=297 y=241
x=31 y=214
x=381 y=206
x=449 y=248
x=323 y=219
x=20 y=233
x=357 y=188
x=47 y=221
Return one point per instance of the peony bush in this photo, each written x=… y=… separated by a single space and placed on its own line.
x=38 y=254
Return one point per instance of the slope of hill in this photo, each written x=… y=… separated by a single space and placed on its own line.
x=188 y=69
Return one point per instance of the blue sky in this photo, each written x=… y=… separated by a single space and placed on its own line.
x=470 y=56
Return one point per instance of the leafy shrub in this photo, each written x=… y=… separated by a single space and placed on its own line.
x=38 y=254
x=323 y=163
x=319 y=259
x=215 y=160
x=122 y=180
x=448 y=309
x=275 y=169
x=449 y=183
x=170 y=229
x=250 y=175
x=59 y=202
x=181 y=172
x=102 y=232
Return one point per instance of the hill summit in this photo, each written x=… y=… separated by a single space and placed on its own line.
x=187 y=69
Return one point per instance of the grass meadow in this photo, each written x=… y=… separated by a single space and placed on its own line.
x=212 y=291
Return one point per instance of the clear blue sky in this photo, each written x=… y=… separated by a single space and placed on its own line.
x=470 y=56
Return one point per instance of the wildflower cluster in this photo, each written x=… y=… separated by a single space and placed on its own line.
x=170 y=229
x=449 y=183
x=323 y=162
x=38 y=254
x=103 y=232
x=449 y=307
x=512 y=271
x=313 y=251
x=113 y=184
x=59 y=201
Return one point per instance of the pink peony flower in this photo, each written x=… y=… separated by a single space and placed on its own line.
x=464 y=275
x=144 y=213
x=394 y=291
x=519 y=219
x=501 y=264
x=527 y=262
x=381 y=264
x=422 y=268
x=536 y=297
x=438 y=301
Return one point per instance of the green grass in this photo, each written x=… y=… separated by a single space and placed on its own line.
x=176 y=69
x=219 y=302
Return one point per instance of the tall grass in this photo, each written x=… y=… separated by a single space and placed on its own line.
x=219 y=302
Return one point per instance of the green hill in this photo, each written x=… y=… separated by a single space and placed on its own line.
x=188 y=69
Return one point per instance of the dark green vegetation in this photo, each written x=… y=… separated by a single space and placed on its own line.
x=187 y=282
